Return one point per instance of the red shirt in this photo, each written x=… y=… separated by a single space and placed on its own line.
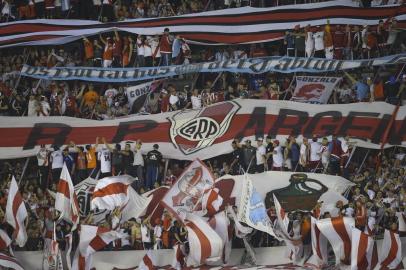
x=165 y=104
x=339 y=39
x=165 y=45
x=117 y=47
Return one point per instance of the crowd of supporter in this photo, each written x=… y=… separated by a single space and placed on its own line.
x=21 y=96
x=379 y=178
x=118 y=10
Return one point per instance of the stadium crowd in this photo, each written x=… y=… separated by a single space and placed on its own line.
x=20 y=96
x=378 y=194
x=380 y=177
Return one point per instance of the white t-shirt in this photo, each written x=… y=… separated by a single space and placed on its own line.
x=261 y=151
x=42 y=157
x=196 y=101
x=147 y=51
x=303 y=154
x=325 y=155
x=140 y=47
x=315 y=150
x=277 y=156
x=173 y=99
x=57 y=159
x=319 y=40
x=158 y=232
x=145 y=235
x=138 y=159
x=110 y=94
x=105 y=160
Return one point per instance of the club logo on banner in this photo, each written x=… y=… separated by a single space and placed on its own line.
x=186 y=195
x=195 y=130
x=314 y=89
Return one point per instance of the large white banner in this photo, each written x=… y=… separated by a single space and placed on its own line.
x=314 y=89
x=208 y=132
x=227 y=26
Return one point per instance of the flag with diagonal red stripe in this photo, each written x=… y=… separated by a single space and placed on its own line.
x=364 y=255
x=16 y=213
x=66 y=201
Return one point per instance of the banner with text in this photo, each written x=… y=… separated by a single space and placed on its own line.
x=137 y=94
x=313 y=89
x=253 y=66
x=208 y=132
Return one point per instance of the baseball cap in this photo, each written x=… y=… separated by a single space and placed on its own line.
x=260 y=139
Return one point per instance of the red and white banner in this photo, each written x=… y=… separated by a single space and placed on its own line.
x=65 y=199
x=314 y=89
x=228 y=26
x=111 y=192
x=221 y=225
x=179 y=259
x=148 y=262
x=9 y=262
x=206 y=133
x=364 y=255
x=186 y=195
x=319 y=247
x=135 y=205
x=91 y=239
x=204 y=243
x=16 y=213
x=155 y=208
x=390 y=255
x=211 y=201
x=5 y=240
x=338 y=231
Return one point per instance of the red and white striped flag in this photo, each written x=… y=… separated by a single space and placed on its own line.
x=211 y=201
x=5 y=240
x=221 y=225
x=148 y=261
x=390 y=255
x=111 y=192
x=135 y=205
x=92 y=239
x=283 y=219
x=16 y=213
x=205 y=244
x=9 y=262
x=319 y=247
x=338 y=231
x=364 y=255
x=66 y=201
x=179 y=260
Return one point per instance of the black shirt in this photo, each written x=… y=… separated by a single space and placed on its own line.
x=154 y=157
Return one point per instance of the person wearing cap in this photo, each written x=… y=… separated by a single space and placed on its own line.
x=165 y=47
x=249 y=153
x=260 y=156
x=153 y=160
x=277 y=156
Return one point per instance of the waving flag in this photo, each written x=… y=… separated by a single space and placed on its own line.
x=92 y=239
x=111 y=192
x=16 y=213
x=211 y=201
x=364 y=255
x=228 y=26
x=186 y=195
x=5 y=240
x=319 y=247
x=283 y=219
x=338 y=231
x=135 y=205
x=155 y=208
x=179 y=259
x=390 y=255
x=221 y=225
x=402 y=223
x=9 y=262
x=148 y=261
x=205 y=244
x=65 y=199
